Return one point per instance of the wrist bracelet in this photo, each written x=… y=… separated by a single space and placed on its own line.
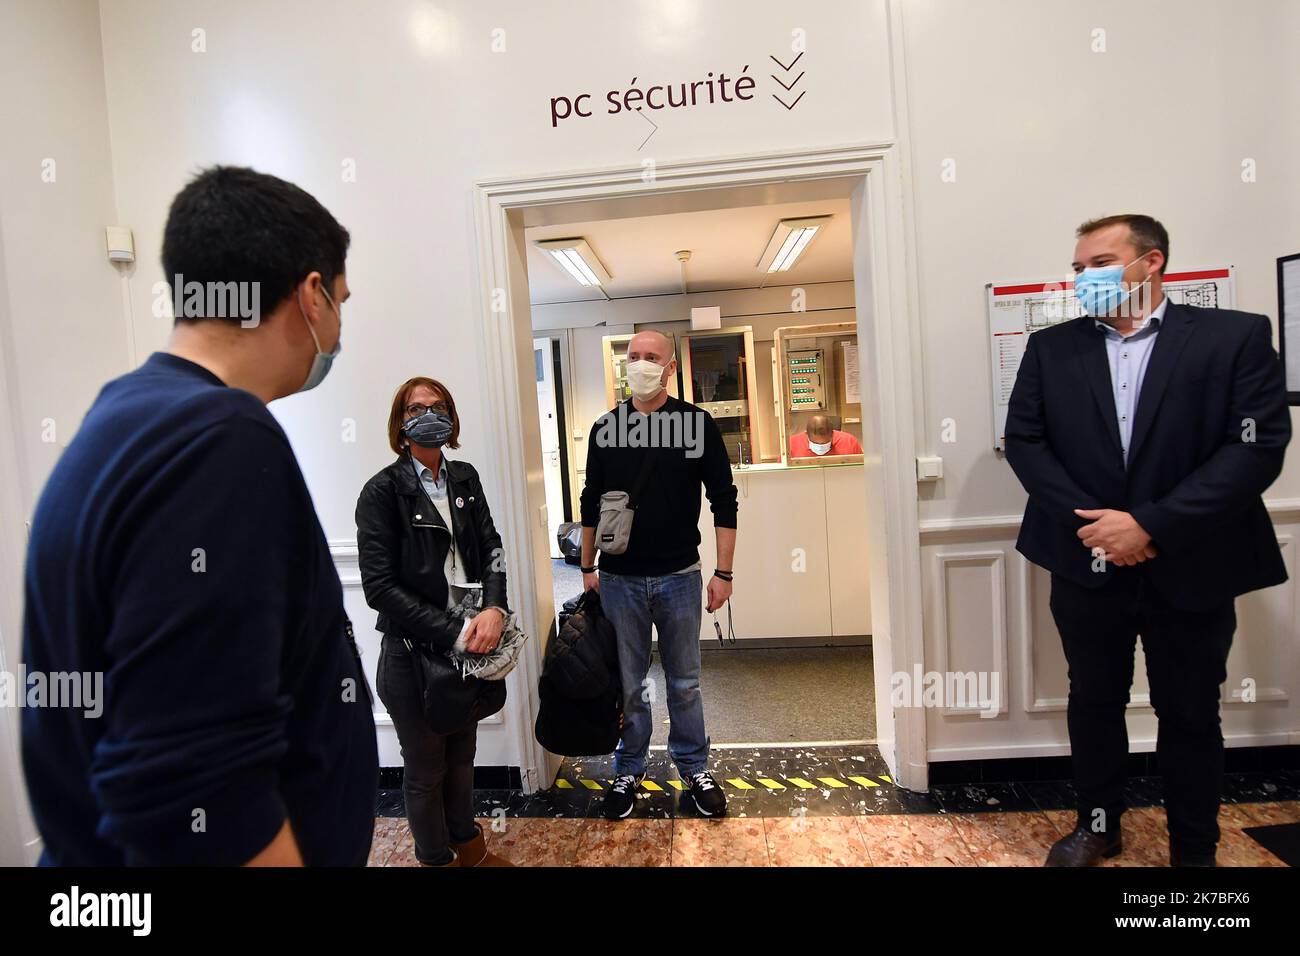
x=723 y=575
x=590 y=570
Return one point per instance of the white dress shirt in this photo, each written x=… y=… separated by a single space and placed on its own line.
x=1129 y=356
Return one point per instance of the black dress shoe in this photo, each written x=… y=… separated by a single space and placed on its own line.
x=1177 y=858
x=1082 y=847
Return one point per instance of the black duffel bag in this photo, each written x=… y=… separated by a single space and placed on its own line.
x=581 y=660
x=587 y=727
x=580 y=712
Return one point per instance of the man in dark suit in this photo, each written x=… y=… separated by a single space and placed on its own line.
x=1145 y=432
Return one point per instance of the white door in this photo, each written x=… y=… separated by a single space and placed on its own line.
x=546 y=405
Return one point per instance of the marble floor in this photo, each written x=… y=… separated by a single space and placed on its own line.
x=1014 y=838
x=827 y=807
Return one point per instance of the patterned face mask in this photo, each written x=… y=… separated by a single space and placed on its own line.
x=430 y=430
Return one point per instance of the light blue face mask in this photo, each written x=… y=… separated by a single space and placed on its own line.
x=1100 y=289
x=320 y=365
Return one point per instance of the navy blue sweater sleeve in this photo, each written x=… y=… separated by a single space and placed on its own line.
x=205 y=602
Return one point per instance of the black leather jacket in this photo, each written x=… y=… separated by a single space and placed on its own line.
x=402 y=547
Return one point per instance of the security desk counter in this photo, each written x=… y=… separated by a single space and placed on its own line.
x=800 y=568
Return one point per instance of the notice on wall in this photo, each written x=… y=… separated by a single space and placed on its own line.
x=1288 y=291
x=1018 y=309
x=852 y=384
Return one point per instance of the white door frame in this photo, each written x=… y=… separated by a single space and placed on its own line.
x=886 y=325
x=546 y=345
x=565 y=386
x=564 y=391
x=19 y=842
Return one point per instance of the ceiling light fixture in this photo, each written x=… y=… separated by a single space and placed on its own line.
x=789 y=241
x=577 y=260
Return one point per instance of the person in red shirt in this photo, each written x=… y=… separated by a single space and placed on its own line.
x=822 y=439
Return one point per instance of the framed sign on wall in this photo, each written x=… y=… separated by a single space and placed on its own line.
x=1288 y=323
x=1018 y=309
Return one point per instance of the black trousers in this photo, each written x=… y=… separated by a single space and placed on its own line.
x=438 y=774
x=1186 y=655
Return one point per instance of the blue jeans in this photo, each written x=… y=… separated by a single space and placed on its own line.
x=672 y=603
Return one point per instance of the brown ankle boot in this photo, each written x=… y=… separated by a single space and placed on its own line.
x=474 y=853
x=455 y=861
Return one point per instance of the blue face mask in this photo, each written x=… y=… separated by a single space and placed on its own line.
x=1100 y=289
x=320 y=365
x=430 y=430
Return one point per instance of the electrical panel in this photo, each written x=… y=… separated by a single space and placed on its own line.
x=805 y=379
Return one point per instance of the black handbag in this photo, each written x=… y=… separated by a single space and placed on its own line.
x=450 y=700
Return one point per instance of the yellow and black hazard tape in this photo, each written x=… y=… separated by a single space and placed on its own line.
x=760 y=784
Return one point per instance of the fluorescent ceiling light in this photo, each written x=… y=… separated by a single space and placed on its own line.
x=789 y=240
x=577 y=259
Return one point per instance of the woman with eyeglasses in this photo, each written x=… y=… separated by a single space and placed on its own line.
x=425 y=536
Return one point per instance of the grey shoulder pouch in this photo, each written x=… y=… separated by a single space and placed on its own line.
x=615 y=526
x=617 y=509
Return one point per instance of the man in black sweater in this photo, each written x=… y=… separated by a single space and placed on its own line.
x=175 y=554
x=657 y=580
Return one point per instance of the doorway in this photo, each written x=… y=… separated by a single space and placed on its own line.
x=864 y=177
x=551 y=396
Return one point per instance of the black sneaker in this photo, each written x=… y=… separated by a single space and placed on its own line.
x=709 y=799
x=621 y=797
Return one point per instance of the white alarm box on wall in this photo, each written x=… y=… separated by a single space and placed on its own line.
x=708 y=317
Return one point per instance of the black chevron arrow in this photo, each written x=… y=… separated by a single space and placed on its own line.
x=789 y=106
x=782 y=65
x=792 y=82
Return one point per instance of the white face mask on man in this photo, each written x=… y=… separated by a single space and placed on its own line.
x=819 y=448
x=644 y=377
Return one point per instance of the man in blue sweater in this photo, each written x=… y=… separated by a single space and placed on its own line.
x=175 y=550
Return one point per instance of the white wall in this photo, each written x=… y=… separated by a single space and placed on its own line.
x=67 y=332
x=17 y=831
x=1046 y=133
x=62 y=326
x=414 y=93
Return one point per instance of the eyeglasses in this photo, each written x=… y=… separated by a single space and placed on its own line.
x=415 y=411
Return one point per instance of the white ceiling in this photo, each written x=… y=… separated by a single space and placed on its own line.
x=640 y=253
